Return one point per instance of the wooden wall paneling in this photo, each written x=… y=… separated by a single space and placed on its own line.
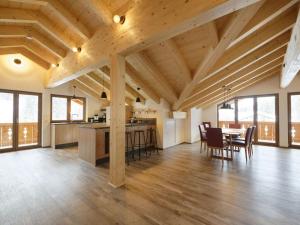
x=238 y=21
x=117 y=125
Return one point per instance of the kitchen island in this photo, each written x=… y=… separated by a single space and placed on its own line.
x=93 y=141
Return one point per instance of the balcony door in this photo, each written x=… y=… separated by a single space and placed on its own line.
x=20 y=120
x=294 y=119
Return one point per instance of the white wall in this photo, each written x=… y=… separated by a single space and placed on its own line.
x=194 y=118
x=30 y=77
x=270 y=86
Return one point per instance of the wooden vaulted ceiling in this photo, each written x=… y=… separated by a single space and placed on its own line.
x=239 y=48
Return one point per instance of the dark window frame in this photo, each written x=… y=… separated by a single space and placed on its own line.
x=69 y=99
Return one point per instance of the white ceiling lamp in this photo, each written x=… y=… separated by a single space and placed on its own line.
x=119 y=19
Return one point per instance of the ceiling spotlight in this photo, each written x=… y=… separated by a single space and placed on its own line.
x=17 y=61
x=119 y=19
x=55 y=65
x=76 y=49
x=29 y=37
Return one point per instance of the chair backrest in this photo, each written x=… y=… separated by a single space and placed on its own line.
x=248 y=135
x=206 y=125
x=235 y=125
x=214 y=138
x=202 y=132
x=252 y=133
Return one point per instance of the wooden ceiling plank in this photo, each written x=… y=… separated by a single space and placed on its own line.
x=238 y=21
x=28 y=54
x=245 y=62
x=33 y=16
x=178 y=17
x=269 y=11
x=142 y=61
x=177 y=56
x=135 y=77
x=249 y=83
x=255 y=41
x=31 y=46
x=64 y=16
x=101 y=10
x=85 y=89
x=233 y=80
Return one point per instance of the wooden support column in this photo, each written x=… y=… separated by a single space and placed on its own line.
x=117 y=122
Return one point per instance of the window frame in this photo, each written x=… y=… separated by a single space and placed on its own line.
x=289 y=95
x=69 y=99
x=255 y=122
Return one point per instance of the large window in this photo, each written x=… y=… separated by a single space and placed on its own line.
x=294 y=119
x=260 y=111
x=67 y=108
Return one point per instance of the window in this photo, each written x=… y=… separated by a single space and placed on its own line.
x=294 y=119
x=260 y=111
x=67 y=108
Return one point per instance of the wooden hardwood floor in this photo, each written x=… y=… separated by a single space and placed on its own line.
x=179 y=186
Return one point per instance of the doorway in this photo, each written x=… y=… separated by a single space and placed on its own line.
x=20 y=120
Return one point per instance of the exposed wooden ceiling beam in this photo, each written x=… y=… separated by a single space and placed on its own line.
x=106 y=72
x=291 y=66
x=28 y=54
x=242 y=76
x=101 y=10
x=64 y=15
x=143 y=63
x=30 y=32
x=262 y=36
x=31 y=46
x=269 y=11
x=173 y=50
x=237 y=22
x=249 y=83
x=85 y=89
x=249 y=60
x=178 y=17
x=135 y=77
x=33 y=16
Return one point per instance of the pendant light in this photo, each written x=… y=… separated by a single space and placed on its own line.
x=226 y=105
x=138 y=99
x=74 y=90
x=103 y=94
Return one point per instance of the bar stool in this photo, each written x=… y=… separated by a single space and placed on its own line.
x=129 y=146
x=137 y=141
x=151 y=139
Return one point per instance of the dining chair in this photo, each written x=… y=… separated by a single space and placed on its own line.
x=215 y=142
x=206 y=125
x=253 y=128
x=244 y=143
x=203 y=137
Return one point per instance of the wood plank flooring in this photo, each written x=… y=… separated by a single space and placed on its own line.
x=178 y=187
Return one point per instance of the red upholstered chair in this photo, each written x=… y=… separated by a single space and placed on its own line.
x=206 y=125
x=240 y=143
x=203 y=136
x=215 y=142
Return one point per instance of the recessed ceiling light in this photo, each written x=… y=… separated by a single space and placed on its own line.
x=55 y=65
x=17 y=61
x=119 y=19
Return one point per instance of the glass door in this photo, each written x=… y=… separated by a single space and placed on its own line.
x=266 y=119
x=20 y=120
x=294 y=119
x=28 y=120
x=6 y=121
x=245 y=112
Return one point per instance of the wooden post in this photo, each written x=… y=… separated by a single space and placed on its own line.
x=117 y=122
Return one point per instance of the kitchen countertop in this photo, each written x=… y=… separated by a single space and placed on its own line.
x=105 y=126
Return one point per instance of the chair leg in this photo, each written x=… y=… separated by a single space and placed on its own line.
x=246 y=153
x=222 y=152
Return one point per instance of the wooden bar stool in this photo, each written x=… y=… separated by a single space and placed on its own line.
x=151 y=140
x=129 y=146
x=139 y=135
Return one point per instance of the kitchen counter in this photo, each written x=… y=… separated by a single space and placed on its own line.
x=93 y=139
